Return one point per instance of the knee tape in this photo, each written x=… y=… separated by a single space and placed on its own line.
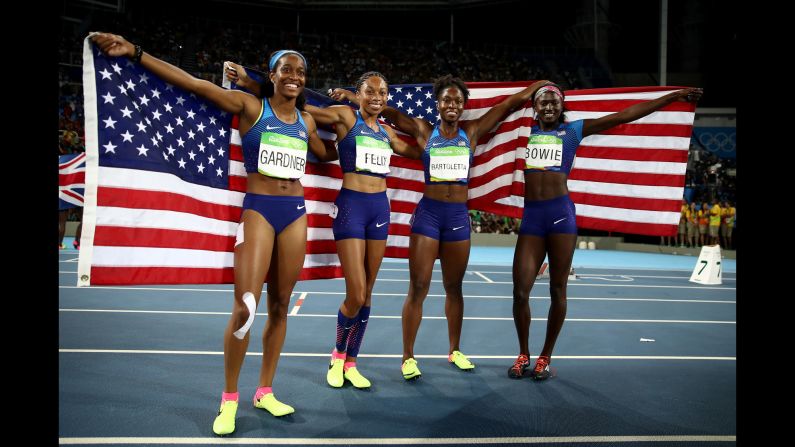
x=239 y=237
x=251 y=304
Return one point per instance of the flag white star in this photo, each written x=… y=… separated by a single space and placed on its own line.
x=220 y=172
x=192 y=155
x=419 y=89
x=127 y=136
x=180 y=100
x=156 y=93
x=137 y=107
x=109 y=123
x=399 y=89
x=428 y=110
x=171 y=150
x=389 y=97
x=428 y=95
x=181 y=142
x=203 y=107
x=211 y=140
x=122 y=89
x=408 y=96
x=191 y=134
x=181 y=163
x=169 y=129
x=222 y=132
x=420 y=116
x=201 y=168
x=130 y=85
x=212 y=120
x=165 y=156
x=169 y=87
x=110 y=147
x=200 y=127
x=223 y=113
x=116 y=68
x=144 y=100
x=127 y=113
x=154 y=141
x=159 y=137
x=221 y=152
x=168 y=107
x=105 y=73
x=410 y=110
x=144 y=78
x=156 y=115
x=419 y=103
x=400 y=103
x=191 y=114
x=146 y=118
x=201 y=147
x=142 y=150
x=211 y=160
x=179 y=121
x=108 y=98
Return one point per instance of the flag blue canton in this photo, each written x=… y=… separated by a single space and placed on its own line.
x=415 y=100
x=147 y=124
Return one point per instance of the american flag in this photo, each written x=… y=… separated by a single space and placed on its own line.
x=71 y=180
x=165 y=178
x=628 y=179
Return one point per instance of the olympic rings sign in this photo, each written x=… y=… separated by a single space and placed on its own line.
x=718 y=141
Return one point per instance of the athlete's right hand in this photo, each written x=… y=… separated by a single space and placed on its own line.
x=340 y=93
x=113 y=45
x=236 y=73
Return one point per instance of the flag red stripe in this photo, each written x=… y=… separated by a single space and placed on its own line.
x=71 y=179
x=627 y=178
x=622 y=226
x=160 y=275
x=158 y=200
x=633 y=154
x=112 y=236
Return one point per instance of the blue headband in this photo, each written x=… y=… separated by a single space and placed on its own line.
x=281 y=53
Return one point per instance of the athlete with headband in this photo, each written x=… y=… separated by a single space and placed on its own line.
x=275 y=135
x=440 y=225
x=549 y=225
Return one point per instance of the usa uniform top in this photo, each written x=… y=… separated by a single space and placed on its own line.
x=275 y=148
x=447 y=160
x=553 y=150
x=365 y=151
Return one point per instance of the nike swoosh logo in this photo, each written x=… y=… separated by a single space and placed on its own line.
x=559 y=220
x=300 y=207
x=271 y=128
x=379 y=225
x=435 y=144
x=366 y=133
x=458 y=228
x=364 y=321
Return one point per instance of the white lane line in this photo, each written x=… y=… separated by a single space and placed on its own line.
x=483 y=276
x=298 y=303
x=395 y=356
x=396 y=441
x=403 y=295
x=397 y=317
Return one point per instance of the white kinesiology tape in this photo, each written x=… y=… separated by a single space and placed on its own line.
x=251 y=304
x=239 y=237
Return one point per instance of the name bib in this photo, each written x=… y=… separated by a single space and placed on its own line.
x=543 y=151
x=372 y=155
x=449 y=164
x=281 y=156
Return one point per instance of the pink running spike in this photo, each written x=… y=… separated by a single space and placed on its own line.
x=230 y=396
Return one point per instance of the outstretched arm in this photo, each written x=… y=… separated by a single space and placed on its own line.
x=323 y=152
x=228 y=100
x=417 y=128
x=478 y=127
x=400 y=147
x=631 y=113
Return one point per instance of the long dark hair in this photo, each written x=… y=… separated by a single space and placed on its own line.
x=448 y=80
x=267 y=87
